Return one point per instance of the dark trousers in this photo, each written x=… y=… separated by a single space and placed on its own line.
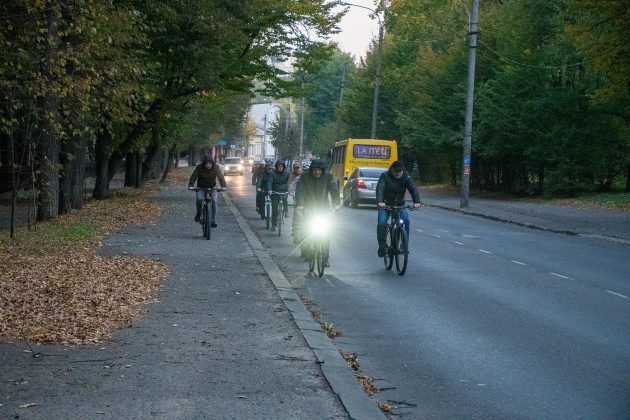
x=260 y=201
x=275 y=199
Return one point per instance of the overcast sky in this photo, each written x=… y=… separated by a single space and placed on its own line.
x=357 y=29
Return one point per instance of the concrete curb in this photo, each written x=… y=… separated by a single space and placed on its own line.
x=338 y=374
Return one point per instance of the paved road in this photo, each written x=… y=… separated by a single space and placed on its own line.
x=492 y=320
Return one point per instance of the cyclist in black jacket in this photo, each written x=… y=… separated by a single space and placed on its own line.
x=205 y=175
x=278 y=181
x=390 y=191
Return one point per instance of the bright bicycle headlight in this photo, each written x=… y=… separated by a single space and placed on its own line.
x=319 y=226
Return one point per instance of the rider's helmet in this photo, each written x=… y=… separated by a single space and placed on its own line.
x=278 y=163
x=268 y=166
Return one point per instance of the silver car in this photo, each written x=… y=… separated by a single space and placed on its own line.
x=233 y=165
x=361 y=186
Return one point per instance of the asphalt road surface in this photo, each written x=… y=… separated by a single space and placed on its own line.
x=491 y=320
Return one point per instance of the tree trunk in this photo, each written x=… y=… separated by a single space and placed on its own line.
x=131 y=140
x=101 y=156
x=139 y=179
x=169 y=163
x=130 y=170
x=73 y=163
x=628 y=179
x=152 y=152
x=49 y=147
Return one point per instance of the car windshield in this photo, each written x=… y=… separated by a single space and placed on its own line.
x=371 y=172
x=233 y=160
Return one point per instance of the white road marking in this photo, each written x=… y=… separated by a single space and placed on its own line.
x=420 y=230
x=459 y=243
x=560 y=275
x=437 y=236
x=484 y=251
x=518 y=262
x=443 y=231
x=616 y=294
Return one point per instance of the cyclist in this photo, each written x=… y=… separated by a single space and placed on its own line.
x=278 y=181
x=390 y=191
x=205 y=175
x=261 y=189
x=316 y=191
x=294 y=178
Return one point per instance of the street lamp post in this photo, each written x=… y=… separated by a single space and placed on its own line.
x=379 y=57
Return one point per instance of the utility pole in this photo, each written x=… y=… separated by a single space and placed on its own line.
x=264 y=142
x=377 y=82
x=379 y=59
x=473 y=22
x=343 y=84
x=301 y=127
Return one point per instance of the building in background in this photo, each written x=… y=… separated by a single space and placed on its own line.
x=263 y=114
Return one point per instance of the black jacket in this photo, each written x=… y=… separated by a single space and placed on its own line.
x=312 y=193
x=278 y=181
x=391 y=191
x=263 y=180
x=207 y=178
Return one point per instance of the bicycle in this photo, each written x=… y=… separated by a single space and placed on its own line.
x=397 y=242
x=206 y=211
x=280 y=217
x=315 y=242
x=267 y=210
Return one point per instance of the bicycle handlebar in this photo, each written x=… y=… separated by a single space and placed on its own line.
x=405 y=206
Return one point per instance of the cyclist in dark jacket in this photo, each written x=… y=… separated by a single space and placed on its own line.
x=261 y=189
x=206 y=174
x=278 y=181
x=390 y=191
x=316 y=191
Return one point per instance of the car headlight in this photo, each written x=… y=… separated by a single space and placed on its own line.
x=239 y=167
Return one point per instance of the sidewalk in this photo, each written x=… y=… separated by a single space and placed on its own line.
x=612 y=225
x=222 y=343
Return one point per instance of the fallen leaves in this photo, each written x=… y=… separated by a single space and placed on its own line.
x=55 y=289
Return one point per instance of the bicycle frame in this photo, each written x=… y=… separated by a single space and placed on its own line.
x=281 y=210
x=398 y=242
x=317 y=226
x=206 y=212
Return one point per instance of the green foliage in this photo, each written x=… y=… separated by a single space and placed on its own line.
x=551 y=96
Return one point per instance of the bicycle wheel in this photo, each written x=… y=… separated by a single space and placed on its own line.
x=268 y=214
x=388 y=258
x=208 y=215
x=319 y=259
x=402 y=253
x=280 y=217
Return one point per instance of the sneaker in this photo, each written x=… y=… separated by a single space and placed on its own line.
x=273 y=228
x=212 y=225
x=381 y=251
x=326 y=263
x=198 y=218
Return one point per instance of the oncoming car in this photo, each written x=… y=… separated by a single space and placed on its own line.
x=233 y=165
x=361 y=186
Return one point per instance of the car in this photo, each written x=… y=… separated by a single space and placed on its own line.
x=233 y=165
x=361 y=186
x=248 y=161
